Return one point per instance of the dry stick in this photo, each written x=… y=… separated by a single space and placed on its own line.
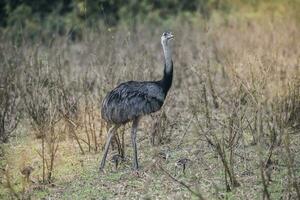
x=263 y=178
x=228 y=189
x=212 y=90
x=217 y=189
x=181 y=183
x=222 y=154
x=85 y=127
x=102 y=125
x=8 y=183
x=291 y=171
x=95 y=134
x=45 y=160
x=231 y=140
x=262 y=166
x=72 y=126
x=206 y=107
x=43 y=156
x=72 y=130
x=185 y=132
x=217 y=145
x=264 y=182
x=227 y=126
x=53 y=153
x=252 y=130
x=88 y=142
x=233 y=135
x=92 y=130
x=273 y=141
x=53 y=150
x=85 y=142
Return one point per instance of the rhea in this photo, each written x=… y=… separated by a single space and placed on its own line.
x=131 y=100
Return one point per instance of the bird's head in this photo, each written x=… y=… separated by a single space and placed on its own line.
x=166 y=37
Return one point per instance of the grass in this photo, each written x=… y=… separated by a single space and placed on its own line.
x=80 y=180
x=235 y=87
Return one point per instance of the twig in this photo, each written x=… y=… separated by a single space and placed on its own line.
x=181 y=183
x=185 y=132
x=8 y=183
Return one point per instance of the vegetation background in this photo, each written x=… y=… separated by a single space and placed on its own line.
x=233 y=112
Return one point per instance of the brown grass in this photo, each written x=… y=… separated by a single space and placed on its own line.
x=233 y=110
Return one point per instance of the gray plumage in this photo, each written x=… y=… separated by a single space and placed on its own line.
x=131 y=100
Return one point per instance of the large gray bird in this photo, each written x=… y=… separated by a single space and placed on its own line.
x=131 y=100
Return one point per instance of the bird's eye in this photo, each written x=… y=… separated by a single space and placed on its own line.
x=165 y=34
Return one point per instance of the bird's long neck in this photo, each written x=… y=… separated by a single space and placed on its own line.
x=167 y=79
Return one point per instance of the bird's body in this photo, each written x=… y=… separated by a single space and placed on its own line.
x=131 y=100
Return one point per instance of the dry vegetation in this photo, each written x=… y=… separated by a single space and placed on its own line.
x=233 y=111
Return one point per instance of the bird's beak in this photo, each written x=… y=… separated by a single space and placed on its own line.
x=171 y=36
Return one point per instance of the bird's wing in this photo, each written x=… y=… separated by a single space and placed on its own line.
x=132 y=99
x=155 y=91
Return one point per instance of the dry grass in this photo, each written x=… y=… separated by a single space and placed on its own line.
x=233 y=111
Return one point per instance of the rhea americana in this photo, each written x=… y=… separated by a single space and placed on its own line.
x=131 y=100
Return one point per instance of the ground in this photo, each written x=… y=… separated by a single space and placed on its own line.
x=76 y=176
x=233 y=111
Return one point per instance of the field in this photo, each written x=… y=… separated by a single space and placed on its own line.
x=233 y=111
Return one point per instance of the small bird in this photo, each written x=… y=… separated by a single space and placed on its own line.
x=163 y=155
x=182 y=162
x=116 y=159
x=26 y=171
x=131 y=100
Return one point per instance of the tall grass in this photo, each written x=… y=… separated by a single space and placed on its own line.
x=237 y=82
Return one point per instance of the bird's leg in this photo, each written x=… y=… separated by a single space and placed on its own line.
x=133 y=140
x=117 y=139
x=117 y=163
x=111 y=132
x=123 y=144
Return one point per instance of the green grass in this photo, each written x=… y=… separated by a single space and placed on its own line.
x=254 y=80
x=76 y=176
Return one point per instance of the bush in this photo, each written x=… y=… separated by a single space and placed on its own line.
x=9 y=93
